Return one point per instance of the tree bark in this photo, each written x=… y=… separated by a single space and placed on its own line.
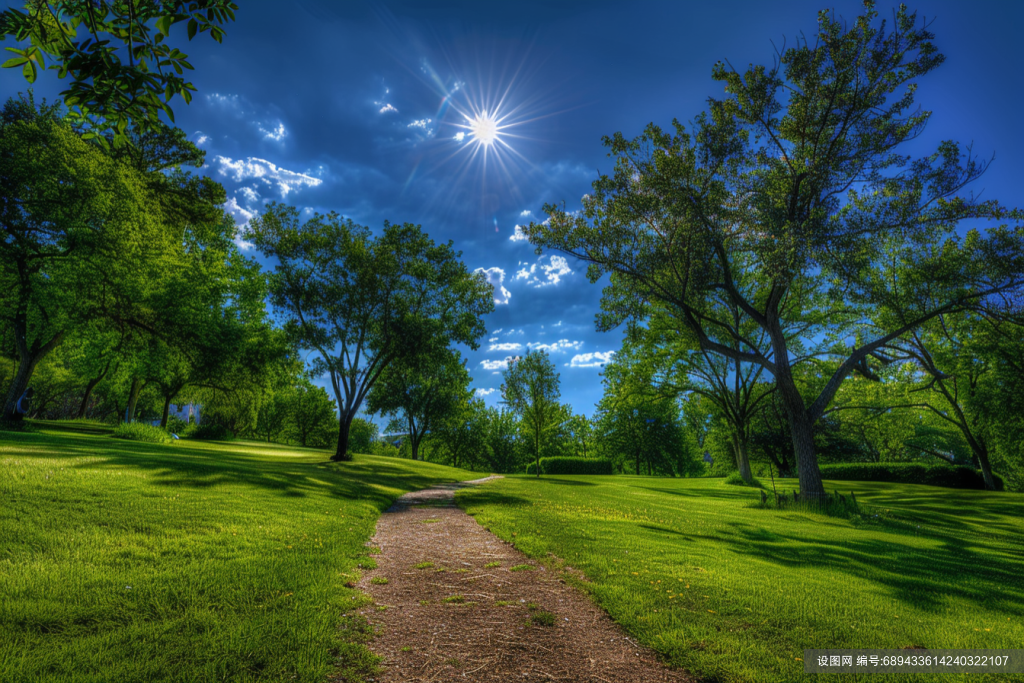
x=800 y=424
x=28 y=359
x=133 y=398
x=986 y=471
x=739 y=447
x=167 y=411
x=341 y=454
x=88 y=392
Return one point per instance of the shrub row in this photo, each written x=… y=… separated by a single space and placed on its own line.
x=571 y=466
x=140 y=431
x=958 y=477
x=735 y=479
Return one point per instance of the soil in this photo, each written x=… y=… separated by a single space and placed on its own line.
x=454 y=618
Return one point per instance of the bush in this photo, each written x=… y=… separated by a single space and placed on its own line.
x=210 y=431
x=958 y=477
x=177 y=425
x=736 y=480
x=571 y=466
x=140 y=431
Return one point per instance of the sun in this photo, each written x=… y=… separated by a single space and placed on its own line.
x=484 y=129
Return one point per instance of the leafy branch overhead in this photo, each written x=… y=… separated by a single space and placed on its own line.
x=124 y=68
x=791 y=206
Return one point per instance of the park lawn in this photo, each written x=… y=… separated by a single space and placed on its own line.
x=126 y=561
x=730 y=592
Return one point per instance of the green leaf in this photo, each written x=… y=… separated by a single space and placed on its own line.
x=163 y=25
x=13 y=62
x=29 y=71
x=193 y=26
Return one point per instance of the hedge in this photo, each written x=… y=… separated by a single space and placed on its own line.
x=572 y=466
x=957 y=477
x=140 y=431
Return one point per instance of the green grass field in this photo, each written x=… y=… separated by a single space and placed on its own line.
x=734 y=593
x=126 y=561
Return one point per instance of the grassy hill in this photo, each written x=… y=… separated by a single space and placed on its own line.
x=735 y=593
x=125 y=561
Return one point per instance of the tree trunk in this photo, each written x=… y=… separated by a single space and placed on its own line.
x=986 y=469
x=133 y=399
x=341 y=454
x=167 y=411
x=28 y=359
x=800 y=428
x=84 y=406
x=26 y=366
x=739 y=447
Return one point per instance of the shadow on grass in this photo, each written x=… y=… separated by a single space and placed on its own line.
x=200 y=465
x=921 y=576
x=486 y=496
x=565 y=482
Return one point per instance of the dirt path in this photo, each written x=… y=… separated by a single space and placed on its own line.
x=446 y=621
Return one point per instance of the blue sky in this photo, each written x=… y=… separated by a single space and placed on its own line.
x=356 y=107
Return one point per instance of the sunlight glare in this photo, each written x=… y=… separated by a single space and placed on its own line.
x=484 y=129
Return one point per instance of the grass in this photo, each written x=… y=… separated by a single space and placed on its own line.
x=129 y=561
x=424 y=565
x=454 y=599
x=543 y=619
x=522 y=568
x=491 y=565
x=694 y=569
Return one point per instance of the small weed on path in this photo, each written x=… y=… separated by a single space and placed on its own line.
x=543 y=619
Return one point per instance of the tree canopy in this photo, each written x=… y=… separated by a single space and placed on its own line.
x=362 y=302
x=791 y=198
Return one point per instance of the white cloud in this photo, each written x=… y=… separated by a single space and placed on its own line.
x=387 y=108
x=202 y=139
x=505 y=346
x=421 y=123
x=513 y=331
x=459 y=137
x=560 y=345
x=552 y=273
x=250 y=194
x=276 y=134
x=224 y=100
x=494 y=364
x=493 y=339
x=518 y=235
x=496 y=276
x=497 y=330
x=525 y=213
x=591 y=360
x=260 y=169
x=484 y=392
x=558 y=324
x=241 y=215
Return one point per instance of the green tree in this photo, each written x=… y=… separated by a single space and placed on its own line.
x=798 y=179
x=503 y=448
x=363 y=302
x=124 y=69
x=423 y=390
x=639 y=420
x=461 y=435
x=362 y=435
x=580 y=432
x=313 y=415
x=530 y=389
x=80 y=239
